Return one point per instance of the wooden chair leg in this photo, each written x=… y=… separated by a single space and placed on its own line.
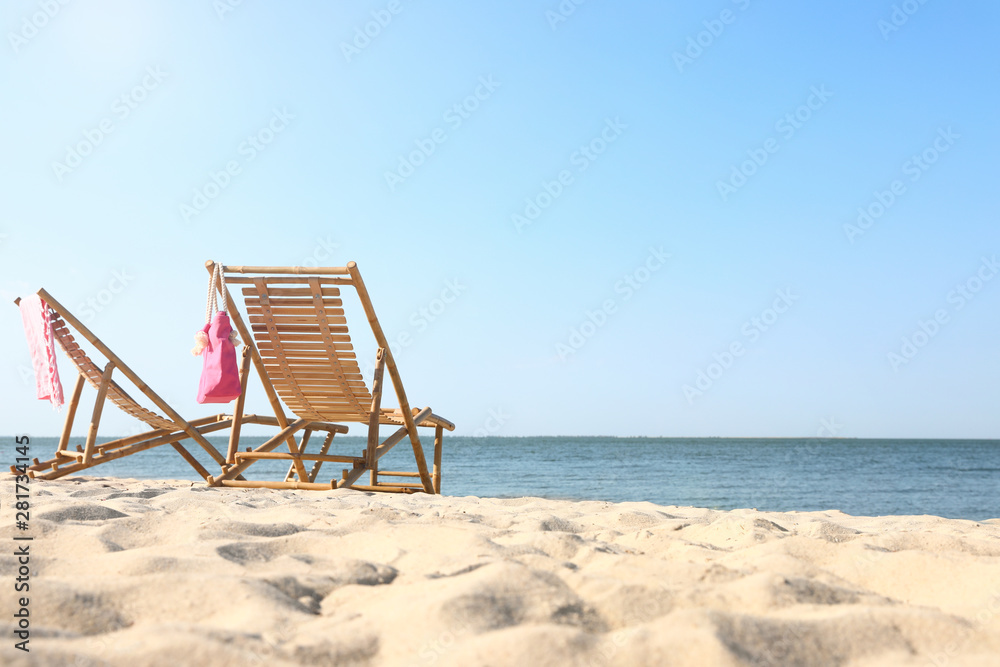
x=70 y=414
x=373 y=416
x=192 y=461
x=95 y=420
x=436 y=477
x=234 y=434
x=290 y=475
x=322 y=450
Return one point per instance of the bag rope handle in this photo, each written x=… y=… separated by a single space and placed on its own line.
x=212 y=307
x=212 y=302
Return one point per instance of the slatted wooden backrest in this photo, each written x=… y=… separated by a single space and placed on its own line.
x=301 y=332
x=93 y=374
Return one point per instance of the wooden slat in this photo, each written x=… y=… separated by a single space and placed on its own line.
x=338 y=416
x=297 y=328
x=319 y=403
x=316 y=365
x=329 y=399
x=348 y=385
x=313 y=344
x=332 y=408
x=291 y=291
x=328 y=396
x=325 y=398
x=349 y=379
x=277 y=308
x=289 y=270
x=328 y=409
x=317 y=394
x=324 y=395
x=291 y=374
x=306 y=364
x=304 y=301
x=318 y=374
x=291 y=320
x=310 y=349
x=290 y=280
x=304 y=337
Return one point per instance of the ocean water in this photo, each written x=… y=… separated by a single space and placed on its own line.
x=948 y=478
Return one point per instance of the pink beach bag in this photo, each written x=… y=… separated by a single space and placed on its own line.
x=216 y=342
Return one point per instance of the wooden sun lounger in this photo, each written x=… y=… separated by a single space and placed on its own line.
x=298 y=341
x=169 y=429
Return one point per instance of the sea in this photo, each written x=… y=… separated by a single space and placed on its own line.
x=957 y=479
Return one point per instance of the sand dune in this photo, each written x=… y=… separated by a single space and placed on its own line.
x=128 y=572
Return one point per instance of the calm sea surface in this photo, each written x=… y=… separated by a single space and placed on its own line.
x=949 y=478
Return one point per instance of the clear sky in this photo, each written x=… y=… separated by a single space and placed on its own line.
x=644 y=216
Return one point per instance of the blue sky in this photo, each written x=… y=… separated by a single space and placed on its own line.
x=645 y=215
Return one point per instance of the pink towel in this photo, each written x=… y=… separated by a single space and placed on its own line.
x=38 y=331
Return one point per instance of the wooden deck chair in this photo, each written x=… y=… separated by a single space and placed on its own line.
x=299 y=343
x=169 y=429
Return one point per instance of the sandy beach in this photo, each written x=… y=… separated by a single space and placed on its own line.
x=140 y=572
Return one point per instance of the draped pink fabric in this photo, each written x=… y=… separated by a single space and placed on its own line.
x=38 y=331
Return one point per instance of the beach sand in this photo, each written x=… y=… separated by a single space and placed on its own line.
x=139 y=572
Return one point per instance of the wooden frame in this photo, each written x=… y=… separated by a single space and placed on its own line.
x=169 y=429
x=299 y=345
